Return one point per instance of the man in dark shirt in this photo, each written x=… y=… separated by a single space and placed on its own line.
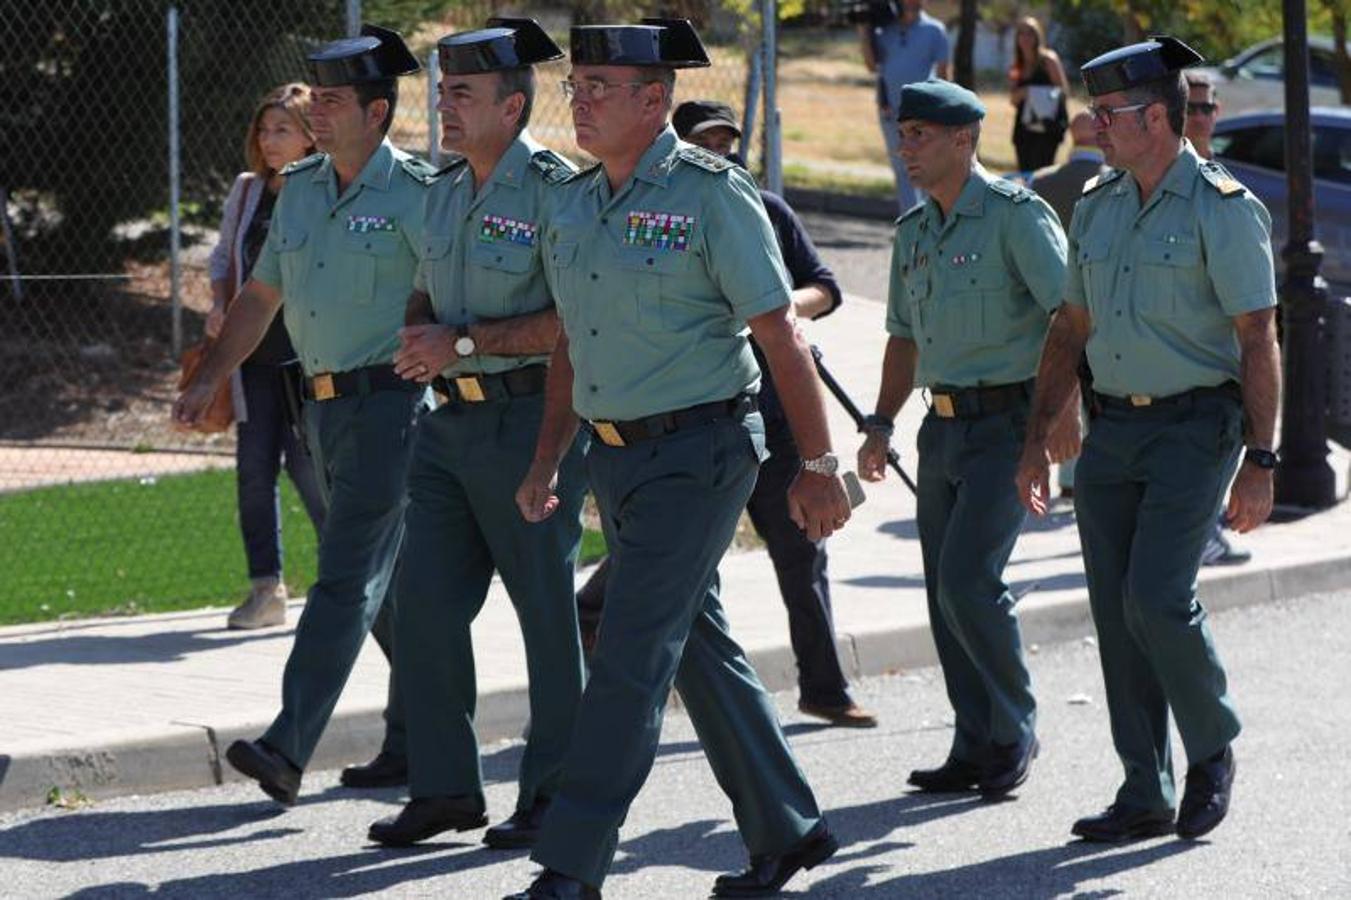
x=799 y=563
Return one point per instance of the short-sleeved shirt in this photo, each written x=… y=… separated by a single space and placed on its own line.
x=344 y=265
x=1163 y=283
x=480 y=255
x=656 y=281
x=906 y=54
x=975 y=290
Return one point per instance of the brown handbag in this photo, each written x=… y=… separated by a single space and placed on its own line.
x=220 y=415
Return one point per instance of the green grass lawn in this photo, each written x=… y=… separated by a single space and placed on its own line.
x=147 y=545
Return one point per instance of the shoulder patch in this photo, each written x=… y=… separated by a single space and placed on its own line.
x=705 y=159
x=1015 y=192
x=301 y=165
x=1218 y=177
x=1102 y=180
x=418 y=169
x=552 y=167
x=450 y=166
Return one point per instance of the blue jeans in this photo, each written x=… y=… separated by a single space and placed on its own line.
x=264 y=442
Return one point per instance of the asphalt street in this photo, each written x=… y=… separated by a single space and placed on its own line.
x=1288 y=835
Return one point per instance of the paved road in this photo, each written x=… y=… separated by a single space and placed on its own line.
x=1288 y=835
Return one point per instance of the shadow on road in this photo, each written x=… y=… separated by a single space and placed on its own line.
x=106 y=649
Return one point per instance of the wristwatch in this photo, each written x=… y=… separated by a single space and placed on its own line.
x=879 y=425
x=464 y=344
x=826 y=464
x=1263 y=459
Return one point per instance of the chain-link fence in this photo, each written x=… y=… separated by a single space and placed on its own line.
x=104 y=508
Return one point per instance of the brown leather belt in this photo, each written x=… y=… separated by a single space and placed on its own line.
x=621 y=434
x=1229 y=389
x=976 y=402
x=520 y=382
x=366 y=380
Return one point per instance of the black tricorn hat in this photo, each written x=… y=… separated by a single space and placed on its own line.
x=1136 y=64
x=376 y=55
x=655 y=42
x=504 y=44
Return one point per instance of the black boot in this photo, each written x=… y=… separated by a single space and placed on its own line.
x=386 y=770
x=767 y=874
x=425 y=817
x=274 y=773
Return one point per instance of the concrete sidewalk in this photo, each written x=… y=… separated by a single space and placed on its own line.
x=147 y=704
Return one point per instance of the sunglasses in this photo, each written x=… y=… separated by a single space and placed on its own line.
x=1104 y=115
x=1202 y=109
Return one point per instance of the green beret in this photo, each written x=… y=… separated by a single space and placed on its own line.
x=943 y=102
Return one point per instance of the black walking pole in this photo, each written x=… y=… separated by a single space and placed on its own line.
x=893 y=458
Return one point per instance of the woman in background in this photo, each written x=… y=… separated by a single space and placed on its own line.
x=278 y=135
x=1038 y=89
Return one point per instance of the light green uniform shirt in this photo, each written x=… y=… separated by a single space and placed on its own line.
x=344 y=265
x=975 y=291
x=481 y=251
x=655 y=282
x=1164 y=282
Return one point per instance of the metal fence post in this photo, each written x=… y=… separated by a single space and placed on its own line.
x=433 y=126
x=353 y=18
x=752 y=98
x=175 y=186
x=769 y=15
x=15 y=283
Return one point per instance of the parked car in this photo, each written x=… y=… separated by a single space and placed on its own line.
x=1252 y=147
x=1255 y=78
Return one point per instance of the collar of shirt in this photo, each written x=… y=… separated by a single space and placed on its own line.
x=654 y=166
x=1089 y=154
x=375 y=174
x=1180 y=179
x=511 y=168
x=970 y=202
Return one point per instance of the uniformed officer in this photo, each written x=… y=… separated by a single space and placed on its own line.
x=482 y=326
x=339 y=261
x=658 y=258
x=1170 y=286
x=976 y=271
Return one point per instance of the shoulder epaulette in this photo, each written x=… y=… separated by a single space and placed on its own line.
x=301 y=165
x=911 y=213
x=1015 y=192
x=552 y=167
x=705 y=159
x=1098 y=181
x=1218 y=177
x=451 y=166
x=582 y=173
x=418 y=169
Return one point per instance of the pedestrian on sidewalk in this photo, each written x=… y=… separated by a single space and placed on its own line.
x=1039 y=92
x=799 y=563
x=278 y=135
x=1171 y=289
x=902 y=48
x=339 y=262
x=975 y=274
x=659 y=257
x=481 y=328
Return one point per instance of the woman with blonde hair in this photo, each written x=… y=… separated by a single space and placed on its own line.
x=1039 y=90
x=278 y=134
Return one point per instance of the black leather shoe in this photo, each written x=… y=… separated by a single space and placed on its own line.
x=767 y=874
x=551 y=885
x=273 y=772
x=1205 y=803
x=952 y=777
x=1124 y=823
x=1008 y=768
x=386 y=770
x=520 y=830
x=425 y=817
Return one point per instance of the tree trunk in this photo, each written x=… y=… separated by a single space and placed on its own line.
x=1339 y=51
x=964 y=66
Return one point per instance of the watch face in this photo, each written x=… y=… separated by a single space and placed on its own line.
x=464 y=345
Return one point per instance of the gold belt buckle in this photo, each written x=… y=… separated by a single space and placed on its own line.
x=1141 y=399
x=323 y=386
x=471 y=390
x=943 y=406
x=609 y=435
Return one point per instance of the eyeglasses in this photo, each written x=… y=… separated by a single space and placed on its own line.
x=1103 y=115
x=593 y=90
x=1202 y=109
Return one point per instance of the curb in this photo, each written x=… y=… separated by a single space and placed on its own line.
x=190 y=755
x=853 y=205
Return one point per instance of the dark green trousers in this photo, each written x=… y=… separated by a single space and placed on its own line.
x=361 y=447
x=463 y=524
x=669 y=507
x=969 y=517
x=1147 y=490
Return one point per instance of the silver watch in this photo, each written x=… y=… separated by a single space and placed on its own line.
x=826 y=464
x=464 y=345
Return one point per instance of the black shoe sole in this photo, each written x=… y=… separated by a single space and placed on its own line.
x=363 y=783
x=247 y=763
x=1138 y=833
x=425 y=834
x=814 y=856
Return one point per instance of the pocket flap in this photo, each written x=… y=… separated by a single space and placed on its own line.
x=504 y=258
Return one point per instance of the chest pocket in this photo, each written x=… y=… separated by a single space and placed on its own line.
x=293 y=255
x=560 y=264
x=435 y=262
x=501 y=271
x=974 y=292
x=1171 y=278
x=367 y=260
x=654 y=275
x=1095 y=271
